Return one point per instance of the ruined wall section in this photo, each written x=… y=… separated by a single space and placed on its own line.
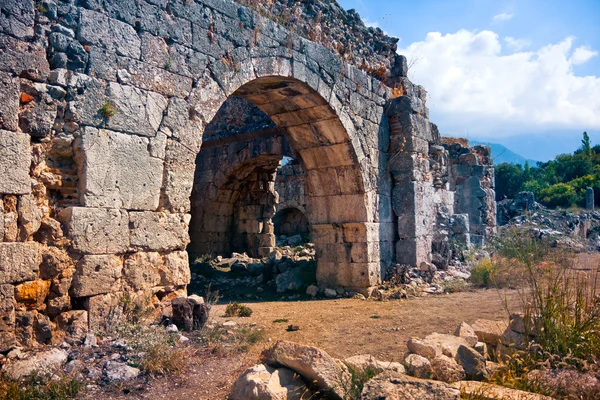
x=472 y=180
x=291 y=187
x=103 y=109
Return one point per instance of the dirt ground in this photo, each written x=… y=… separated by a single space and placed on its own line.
x=342 y=327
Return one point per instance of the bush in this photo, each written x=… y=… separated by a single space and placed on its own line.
x=481 y=273
x=108 y=110
x=559 y=195
x=238 y=310
x=561 y=309
x=40 y=387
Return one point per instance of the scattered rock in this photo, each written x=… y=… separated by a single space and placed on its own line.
x=417 y=366
x=489 y=331
x=472 y=362
x=116 y=371
x=488 y=391
x=40 y=362
x=264 y=382
x=466 y=332
x=312 y=290
x=446 y=369
x=313 y=364
x=330 y=293
x=392 y=385
x=364 y=361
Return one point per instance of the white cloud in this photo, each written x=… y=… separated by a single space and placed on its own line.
x=474 y=87
x=516 y=44
x=582 y=54
x=502 y=17
x=370 y=24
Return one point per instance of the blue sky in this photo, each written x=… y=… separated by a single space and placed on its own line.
x=522 y=73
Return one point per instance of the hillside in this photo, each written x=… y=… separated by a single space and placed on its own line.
x=502 y=154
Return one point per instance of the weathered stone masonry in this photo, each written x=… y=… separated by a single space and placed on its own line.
x=102 y=116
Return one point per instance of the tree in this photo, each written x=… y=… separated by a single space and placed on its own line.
x=586 y=145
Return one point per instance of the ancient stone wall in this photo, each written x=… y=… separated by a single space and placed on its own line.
x=105 y=160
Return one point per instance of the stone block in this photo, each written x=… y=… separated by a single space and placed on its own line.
x=152 y=231
x=15 y=160
x=97 y=230
x=178 y=177
x=97 y=274
x=17 y=17
x=19 y=262
x=9 y=107
x=29 y=216
x=137 y=111
x=33 y=293
x=141 y=271
x=103 y=311
x=98 y=29
x=117 y=170
x=23 y=59
x=7 y=322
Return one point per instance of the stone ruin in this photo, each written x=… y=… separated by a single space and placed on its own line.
x=135 y=132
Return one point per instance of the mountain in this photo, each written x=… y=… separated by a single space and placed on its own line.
x=501 y=154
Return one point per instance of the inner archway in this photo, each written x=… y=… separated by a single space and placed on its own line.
x=233 y=199
x=290 y=222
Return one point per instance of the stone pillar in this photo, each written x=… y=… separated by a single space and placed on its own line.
x=589 y=198
x=409 y=164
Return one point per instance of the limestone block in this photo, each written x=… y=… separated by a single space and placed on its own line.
x=314 y=365
x=264 y=382
x=136 y=111
x=15 y=159
x=23 y=59
x=177 y=269
x=7 y=322
x=9 y=107
x=17 y=18
x=19 y=262
x=108 y=66
x=98 y=29
x=178 y=179
x=97 y=274
x=33 y=293
x=103 y=311
x=74 y=324
x=11 y=226
x=159 y=231
x=97 y=230
x=141 y=271
x=117 y=170
x=30 y=216
x=32 y=328
x=1 y=219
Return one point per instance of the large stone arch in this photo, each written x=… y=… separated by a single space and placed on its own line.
x=339 y=214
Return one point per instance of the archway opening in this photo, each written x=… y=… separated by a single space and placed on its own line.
x=234 y=197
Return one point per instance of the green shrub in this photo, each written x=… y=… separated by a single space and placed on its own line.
x=481 y=273
x=559 y=195
x=238 y=310
x=108 y=110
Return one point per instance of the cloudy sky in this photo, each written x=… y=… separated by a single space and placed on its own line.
x=524 y=73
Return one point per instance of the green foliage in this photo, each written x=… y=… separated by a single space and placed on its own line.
x=358 y=378
x=481 y=273
x=558 y=183
x=559 y=195
x=40 y=387
x=238 y=310
x=108 y=110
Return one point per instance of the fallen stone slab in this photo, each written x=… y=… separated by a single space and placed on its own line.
x=392 y=385
x=363 y=361
x=489 y=331
x=313 y=364
x=264 y=382
x=489 y=391
x=417 y=366
x=116 y=371
x=40 y=362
